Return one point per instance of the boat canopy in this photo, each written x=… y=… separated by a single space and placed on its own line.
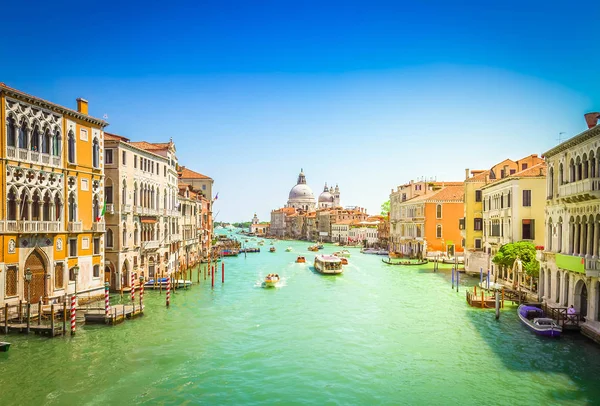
x=529 y=311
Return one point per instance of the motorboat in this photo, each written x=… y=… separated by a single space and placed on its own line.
x=342 y=253
x=453 y=260
x=271 y=280
x=300 y=259
x=344 y=260
x=535 y=319
x=161 y=283
x=230 y=253
x=288 y=249
x=328 y=264
x=369 y=251
x=320 y=246
x=272 y=249
x=313 y=248
x=4 y=346
x=382 y=252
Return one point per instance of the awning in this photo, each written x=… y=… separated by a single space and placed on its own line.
x=150 y=220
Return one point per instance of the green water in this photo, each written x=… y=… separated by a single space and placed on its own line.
x=375 y=335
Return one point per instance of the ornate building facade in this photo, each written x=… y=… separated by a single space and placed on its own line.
x=52 y=177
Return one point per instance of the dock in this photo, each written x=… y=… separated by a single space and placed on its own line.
x=116 y=314
x=47 y=320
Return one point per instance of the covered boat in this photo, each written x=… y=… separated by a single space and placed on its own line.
x=272 y=249
x=534 y=318
x=300 y=259
x=342 y=253
x=328 y=264
x=313 y=248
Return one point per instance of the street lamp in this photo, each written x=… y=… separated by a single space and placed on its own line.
x=75 y=273
x=28 y=276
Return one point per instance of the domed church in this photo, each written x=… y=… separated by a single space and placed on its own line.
x=301 y=196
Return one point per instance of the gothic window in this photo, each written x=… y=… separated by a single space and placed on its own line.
x=124 y=241
x=24 y=206
x=56 y=146
x=46 y=207
x=23 y=135
x=12 y=205
x=46 y=142
x=35 y=139
x=109 y=238
x=10 y=132
x=35 y=209
x=72 y=207
x=438 y=231
x=438 y=211
x=57 y=207
x=96 y=153
x=124 y=193
x=71 y=147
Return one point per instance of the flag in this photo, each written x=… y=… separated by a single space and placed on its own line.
x=102 y=212
x=216 y=196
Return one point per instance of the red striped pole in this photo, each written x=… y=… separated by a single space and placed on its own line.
x=212 y=274
x=141 y=294
x=168 y=290
x=132 y=288
x=73 y=309
x=106 y=300
x=222 y=272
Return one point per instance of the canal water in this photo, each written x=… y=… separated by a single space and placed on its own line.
x=377 y=334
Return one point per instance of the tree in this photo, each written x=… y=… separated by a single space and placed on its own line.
x=385 y=208
x=525 y=250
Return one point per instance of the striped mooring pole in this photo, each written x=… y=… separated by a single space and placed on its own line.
x=106 y=300
x=168 y=290
x=132 y=288
x=73 y=309
x=141 y=294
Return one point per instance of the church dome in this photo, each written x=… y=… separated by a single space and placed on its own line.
x=301 y=191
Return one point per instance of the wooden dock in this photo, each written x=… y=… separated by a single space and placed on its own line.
x=117 y=314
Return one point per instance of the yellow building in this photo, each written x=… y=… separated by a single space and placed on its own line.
x=50 y=221
x=471 y=224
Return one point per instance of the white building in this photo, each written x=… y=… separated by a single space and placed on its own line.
x=570 y=268
x=364 y=230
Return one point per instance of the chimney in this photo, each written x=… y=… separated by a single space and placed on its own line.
x=82 y=106
x=591 y=119
x=506 y=172
x=467 y=173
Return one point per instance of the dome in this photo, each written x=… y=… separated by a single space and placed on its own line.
x=301 y=191
x=325 y=197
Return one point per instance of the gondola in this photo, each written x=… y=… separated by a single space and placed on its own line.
x=404 y=262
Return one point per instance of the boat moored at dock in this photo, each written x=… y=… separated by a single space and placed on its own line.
x=161 y=283
x=328 y=264
x=535 y=320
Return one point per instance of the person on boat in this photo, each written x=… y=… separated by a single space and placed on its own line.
x=571 y=313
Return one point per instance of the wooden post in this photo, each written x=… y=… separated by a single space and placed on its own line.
x=20 y=311
x=212 y=276
x=65 y=316
x=52 y=318
x=497 y=305
x=452 y=278
x=457 y=279
x=503 y=297
x=28 y=316
x=160 y=284
x=222 y=272
x=6 y=318
x=482 y=302
x=39 y=312
x=475 y=290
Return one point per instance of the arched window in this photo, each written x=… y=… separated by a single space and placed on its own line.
x=559 y=240
x=96 y=209
x=46 y=142
x=96 y=153
x=438 y=211
x=24 y=206
x=12 y=205
x=561 y=175
x=572 y=170
x=56 y=146
x=124 y=240
x=10 y=132
x=550 y=235
x=584 y=164
x=592 y=165
x=23 y=134
x=72 y=207
x=136 y=235
x=71 y=147
x=550 y=183
x=135 y=194
x=124 y=192
x=109 y=238
x=35 y=139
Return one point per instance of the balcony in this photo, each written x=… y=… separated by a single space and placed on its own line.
x=137 y=209
x=581 y=190
x=33 y=157
x=175 y=237
x=592 y=267
x=27 y=226
x=99 y=227
x=75 y=226
x=150 y=245
x=125 y=208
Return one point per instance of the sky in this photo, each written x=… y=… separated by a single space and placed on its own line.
x=366 y=95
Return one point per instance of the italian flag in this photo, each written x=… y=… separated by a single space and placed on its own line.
x=102 y=212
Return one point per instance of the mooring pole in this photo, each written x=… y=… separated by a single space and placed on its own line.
x=497 y=305
x=457 y=279
x=452 y=278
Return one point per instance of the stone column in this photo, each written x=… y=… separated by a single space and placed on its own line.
x=18 y=210
x=52 y=214
x=575 y=250
x=29 y=209
x=595 y=242
x=589 y=238
x=582 y=230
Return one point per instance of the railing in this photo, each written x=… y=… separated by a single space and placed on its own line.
x=137 y=209
x=592 y=267
x=579 y=187
x=30 y=226
x=110 y=208
x=37 y=157
x=175 y=237
x=75 y=226
x=125 y=208
x=149 y=245
x=98 y=227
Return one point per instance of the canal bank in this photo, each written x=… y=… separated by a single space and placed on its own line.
x=376 y=334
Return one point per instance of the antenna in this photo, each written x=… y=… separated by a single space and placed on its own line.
x=559 y=136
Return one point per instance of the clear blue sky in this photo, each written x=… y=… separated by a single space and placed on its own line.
x=365 y=94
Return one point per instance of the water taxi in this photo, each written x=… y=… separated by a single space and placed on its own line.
x=320 y=246
x=344 y=261
x=313 y=248
x=328 y=264
x=288 y=249
x=300 y=259
x=272 y=249
x=271 y=280
x=342 y=253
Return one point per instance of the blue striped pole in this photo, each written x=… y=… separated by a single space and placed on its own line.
x=488 y=279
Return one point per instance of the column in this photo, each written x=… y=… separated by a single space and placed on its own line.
x=582 y=230
x=589 y=238
x=575 y=250
x=18 y=209
x=595 y=243
x=29 y=209
x=52 y=214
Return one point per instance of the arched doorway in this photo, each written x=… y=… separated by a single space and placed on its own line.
x=37 y=266
x=581 y=298
x=124 y=281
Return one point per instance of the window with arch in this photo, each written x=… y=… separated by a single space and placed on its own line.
x=46 y=141
x=561 y=175
x=71 y=147
x=12 y=205
x=23 y=134
x=35 y=139
x=438 y=211
x=109 y=238
x=96 y=153
x=56 y=145
x=11 y=132
x=136 y=235
x=550 y=183
x=124 y=237
x=72 y=207
x=58 y=209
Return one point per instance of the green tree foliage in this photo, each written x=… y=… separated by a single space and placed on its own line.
x=385 y=208
x=525 y=250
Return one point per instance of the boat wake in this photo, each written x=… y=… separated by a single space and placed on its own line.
x=261 y=284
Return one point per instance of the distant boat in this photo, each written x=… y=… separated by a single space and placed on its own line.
x=162 y=282
x=272 y=249
x=534 y=318
x=300 y=259
x=328 y=264
x=271 y=280
x=313 y=248
x=4 y=346
x=342 y=253
x=344 y=261
x=288 y=249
